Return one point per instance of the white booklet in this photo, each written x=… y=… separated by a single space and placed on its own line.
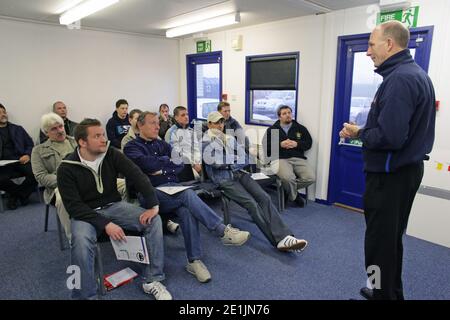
x=134 y=249
x=6 y=162
x=173 y=189
x=259 y=176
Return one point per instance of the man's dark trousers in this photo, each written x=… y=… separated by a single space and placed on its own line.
x=17 y=170
x=387 y=204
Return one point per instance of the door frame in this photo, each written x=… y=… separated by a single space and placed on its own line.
x=191 y=75
x=341 y=97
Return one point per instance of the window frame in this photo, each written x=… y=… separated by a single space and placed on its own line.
x=248 y=92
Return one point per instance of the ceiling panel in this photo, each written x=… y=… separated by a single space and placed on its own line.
x=152 y=17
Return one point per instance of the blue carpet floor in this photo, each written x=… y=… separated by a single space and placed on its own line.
x=332 y=267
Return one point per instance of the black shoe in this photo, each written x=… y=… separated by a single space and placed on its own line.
x=366 y=293
x=12 y=204
x=299 y=201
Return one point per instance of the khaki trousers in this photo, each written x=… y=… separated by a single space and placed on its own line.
x=294 y=173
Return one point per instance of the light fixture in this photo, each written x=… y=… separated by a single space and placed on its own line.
x=392 y=5
x=84 y=9
x=211 y=23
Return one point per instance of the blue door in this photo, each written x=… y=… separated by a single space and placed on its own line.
x=356 y=84
x=204 y=83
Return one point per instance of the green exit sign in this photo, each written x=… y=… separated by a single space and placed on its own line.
x=204 y=46
x=408 y=16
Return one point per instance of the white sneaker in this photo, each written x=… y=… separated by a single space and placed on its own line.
x=291 y=244
x=158 y=290
x=199 y=270
x=235 y=237
x=172 y=226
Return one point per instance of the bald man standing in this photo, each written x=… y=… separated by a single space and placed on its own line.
x=398 y=135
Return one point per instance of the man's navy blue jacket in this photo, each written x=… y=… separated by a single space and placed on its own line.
x=154 y=159
x=23 y=144
x=400 y=125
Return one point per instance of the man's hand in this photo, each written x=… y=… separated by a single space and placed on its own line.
x=293 y=144
x=24 y=159
x=163 y=116
x=349 y=131
x=197 y=167
x=115 y=232
x=285 y=144
x=148 y=215
x=288 y=144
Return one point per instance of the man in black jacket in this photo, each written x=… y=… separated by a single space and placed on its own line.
x=118 y=125
x=288 y=158
x=87 y=184
x=398 y=134
x=15 y=144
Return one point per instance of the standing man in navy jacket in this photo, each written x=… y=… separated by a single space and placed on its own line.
x=398 y=134
x=15 y=144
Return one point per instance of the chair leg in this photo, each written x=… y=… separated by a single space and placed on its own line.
x=100 y=273
x=226 y=212
x=283 y=202
x=280 y=196
x=60 y=233
x=2 y=193
x=47 y=209
x=40 y=196
x=306 y=196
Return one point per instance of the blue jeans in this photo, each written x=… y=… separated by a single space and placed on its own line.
x=191 y=210
x=84 y=241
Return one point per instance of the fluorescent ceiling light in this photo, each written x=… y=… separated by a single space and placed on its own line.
x=212 y=23
x=84 y=9
x=68 y=4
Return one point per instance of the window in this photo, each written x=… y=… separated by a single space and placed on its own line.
x=271 y=82
x=204 y=83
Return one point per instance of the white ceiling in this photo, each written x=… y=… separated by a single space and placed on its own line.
x=152 y=17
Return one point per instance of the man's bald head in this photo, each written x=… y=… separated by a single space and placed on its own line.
x=396 y=31
x=387 y=40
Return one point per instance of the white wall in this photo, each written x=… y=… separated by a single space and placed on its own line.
x=315 y=37
x=89 y=70
x=299 y=34
x=354 y=21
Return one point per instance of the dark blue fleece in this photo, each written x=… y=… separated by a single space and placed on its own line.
x=400 y=125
